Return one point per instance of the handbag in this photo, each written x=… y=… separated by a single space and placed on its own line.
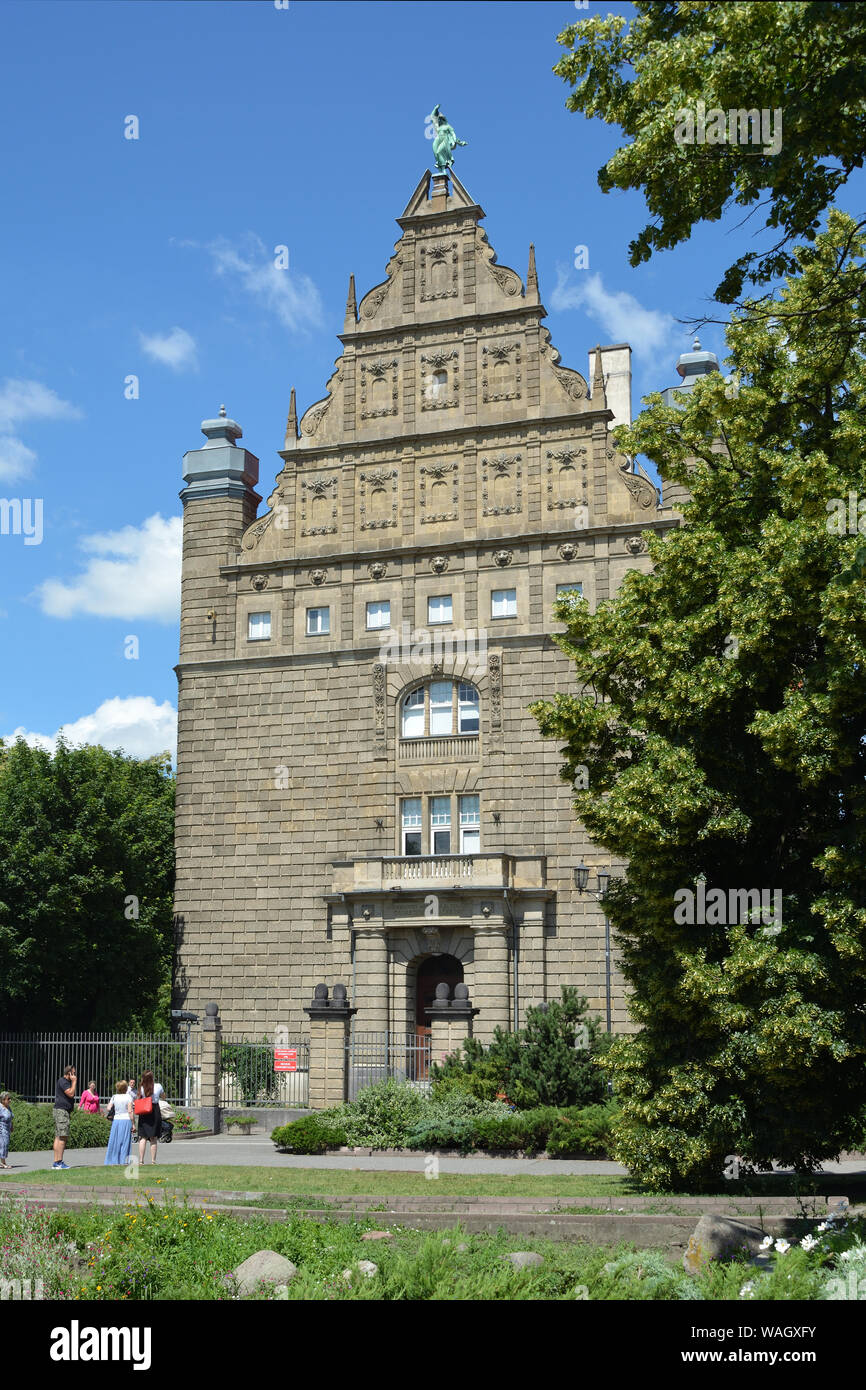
x=144 y=1105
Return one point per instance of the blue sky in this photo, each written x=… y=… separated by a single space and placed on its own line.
x=153 y=257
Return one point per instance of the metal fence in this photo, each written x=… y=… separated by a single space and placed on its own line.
x=372 y=1057
x=32 y=1063
x=248 y=1075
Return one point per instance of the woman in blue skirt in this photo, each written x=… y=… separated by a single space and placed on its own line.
x=120 y=1138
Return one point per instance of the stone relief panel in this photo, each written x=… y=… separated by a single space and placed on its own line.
x=318 y=504
x=440 y=379
x=438 y=492
x=567 y=483
x=500 y=372
x=502 y=485
x=379 y=388
x=378 y=498
x=438 y=271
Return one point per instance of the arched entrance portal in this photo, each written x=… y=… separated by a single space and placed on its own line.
x=436 y=970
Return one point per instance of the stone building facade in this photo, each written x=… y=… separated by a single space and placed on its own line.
x=363 y=795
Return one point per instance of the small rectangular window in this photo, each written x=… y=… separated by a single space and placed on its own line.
x=259 y=627
x=410 y=817
x=503 y=603
x=440 y=824
x=467 y=709
x=318 y=622
x=470 y=824
x=378 y=614
x=439 y=609
x=569 y=589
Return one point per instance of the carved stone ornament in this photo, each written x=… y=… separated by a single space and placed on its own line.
x=259 y=582
x=377 y=570
x=318 y=576
x=567 y=550
x=635 y=545
x=439 y=564
x=503 y=558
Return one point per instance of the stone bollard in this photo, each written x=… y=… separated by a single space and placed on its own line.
x=450 y=1021
x=329 y=1031
x=211 y=1071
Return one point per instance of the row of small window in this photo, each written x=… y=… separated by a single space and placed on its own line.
x=503 y=604
x=441 y=820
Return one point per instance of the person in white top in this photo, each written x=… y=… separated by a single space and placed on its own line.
x=149 y=1116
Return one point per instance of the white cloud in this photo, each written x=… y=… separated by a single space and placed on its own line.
x=135 y=723
x=21 y=401
x=623 y=319
x=135 y=573
x=176 y=349
x=293 y=298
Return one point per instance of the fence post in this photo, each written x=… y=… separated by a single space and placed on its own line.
x=450 y=1021
x=211 y=1070
x=329 y=1031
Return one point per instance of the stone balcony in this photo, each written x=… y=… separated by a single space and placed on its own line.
x=420 y=873
x=445 y=748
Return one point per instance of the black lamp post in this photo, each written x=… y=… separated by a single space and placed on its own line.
x=603 y=880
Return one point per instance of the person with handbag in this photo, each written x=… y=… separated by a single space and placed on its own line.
x=149 y=1115
x=120 y=1138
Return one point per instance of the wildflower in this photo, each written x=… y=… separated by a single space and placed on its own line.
x=782 y=1246
x=747 y=1290
x=845 y=1255
x=766 y=1243
x=809 y=1243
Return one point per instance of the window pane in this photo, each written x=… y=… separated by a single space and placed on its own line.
x=259 y=628
x=413 y=715
x=440 y=810
x=318 y=621
x=411 y=842
x=468 y=710
x=503 y=603
x=470 y=810
x=441 y=841
x=441 y=716
x=470 y=841
x=568 y=589
x=411 y=811
x=378 y=614
x=439 y=609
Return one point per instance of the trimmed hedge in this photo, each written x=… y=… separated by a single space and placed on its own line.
x=306 y=1136
x=33 y=1128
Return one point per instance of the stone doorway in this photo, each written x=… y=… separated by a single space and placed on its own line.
x=433 y=971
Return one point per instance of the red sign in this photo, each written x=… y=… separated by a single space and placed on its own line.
x=285 y=1059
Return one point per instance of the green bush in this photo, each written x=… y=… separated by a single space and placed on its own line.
x=583 y=1131
x=307 y=1136
x=553 y=1060
x=383 y=1115
x=441 y=1133
x=33 y=1128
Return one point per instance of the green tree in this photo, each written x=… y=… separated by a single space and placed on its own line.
x=720 y=711
x=805 y=58
x=550 y=1061
x=86 y=880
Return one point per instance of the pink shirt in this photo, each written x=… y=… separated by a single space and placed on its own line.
x=89 y=1101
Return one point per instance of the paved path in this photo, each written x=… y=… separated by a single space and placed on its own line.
x=237 y=1151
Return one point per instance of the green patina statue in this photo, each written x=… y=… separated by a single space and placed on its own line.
x=444 y=140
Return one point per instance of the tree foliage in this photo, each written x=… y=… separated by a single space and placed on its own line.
x=806 y=58
x=721 y=711
x=550 y=1061
x=86 y=880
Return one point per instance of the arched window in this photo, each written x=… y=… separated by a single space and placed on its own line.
x=440 y=709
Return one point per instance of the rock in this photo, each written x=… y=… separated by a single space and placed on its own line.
x=264 y=1265
x=718 y=1238
x=347 y=1275
x=524 y=1259
x=368 y=1268
x=377 y=1235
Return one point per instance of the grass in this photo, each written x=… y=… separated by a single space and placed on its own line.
x=355 y=1181
x=154 y=1250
